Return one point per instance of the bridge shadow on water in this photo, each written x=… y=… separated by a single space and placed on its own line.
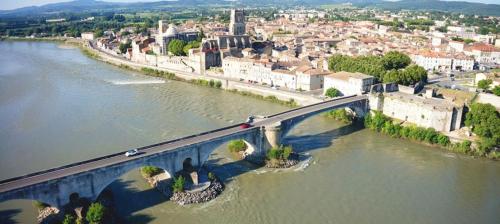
x=130 y=199
x=300 y=143
x=307 y=143
x=134 y=199
x=7 y=216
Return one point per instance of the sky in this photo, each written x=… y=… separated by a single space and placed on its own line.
x=12 y=4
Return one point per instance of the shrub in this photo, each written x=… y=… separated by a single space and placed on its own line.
x=340 y=115
x=376 y=121
x=494 y=155
x=211 y=176
x=496 y=90
x=463 y=147
x=237 y=145
x=69 y=219
x=179 y=184
x=332 y=92
x=279 y=153
x=218 y=84
x=211 y=83
x=443 y=140
x=149 y=171
x=95 y=214
x=484 y=84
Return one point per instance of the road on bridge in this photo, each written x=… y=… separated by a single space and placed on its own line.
x=55 y=173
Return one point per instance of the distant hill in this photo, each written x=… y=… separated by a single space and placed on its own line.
x=448 y=6
x=92 y=5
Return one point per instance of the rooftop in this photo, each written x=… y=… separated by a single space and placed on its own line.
x=346 y=75
x=434 y=103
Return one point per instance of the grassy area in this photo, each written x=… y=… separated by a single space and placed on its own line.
x=90 y=53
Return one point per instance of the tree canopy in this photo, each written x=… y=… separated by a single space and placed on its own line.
x=395 y=60
x=176 y=47
x=95 y=214
x=190 y=45
x=123 y=47
x=484 y=119
x=392 y=67
x=332 y=92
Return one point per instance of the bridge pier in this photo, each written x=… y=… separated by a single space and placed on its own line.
x=272 y=136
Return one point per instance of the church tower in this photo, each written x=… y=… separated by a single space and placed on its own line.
x=237 y=24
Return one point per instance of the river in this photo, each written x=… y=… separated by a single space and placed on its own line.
x=58 y=106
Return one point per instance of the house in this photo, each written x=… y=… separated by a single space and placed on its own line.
x=349 y=83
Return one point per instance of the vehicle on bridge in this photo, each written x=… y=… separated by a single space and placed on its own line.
x=132 y=152
x=250 y=119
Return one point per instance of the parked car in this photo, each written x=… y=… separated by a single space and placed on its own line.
x=131 y=152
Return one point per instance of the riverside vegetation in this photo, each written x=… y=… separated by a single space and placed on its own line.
x=381 y=123
x=281 y=157
x=341 y=115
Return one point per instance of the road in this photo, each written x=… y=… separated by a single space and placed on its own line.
x=51 y=174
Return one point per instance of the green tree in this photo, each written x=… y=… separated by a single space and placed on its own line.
x=124 y=46
x=98 y=33
x=149 y=171
x=484 y=84
x=279 y=153
x=237 y=145
x=484 y=120
x=190 y=45
x=413 y=74
x=69 y=219
x=179 y=184
x=496 y=90
x=395 y=60
x=332 y=92
x=95 y=214
x=176 y=47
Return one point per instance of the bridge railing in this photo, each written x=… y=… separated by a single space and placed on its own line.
x=115 y=154
x=310 y=105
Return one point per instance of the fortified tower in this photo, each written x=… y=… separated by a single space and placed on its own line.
x=237 y=24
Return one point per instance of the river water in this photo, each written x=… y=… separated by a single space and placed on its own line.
x=58 y=106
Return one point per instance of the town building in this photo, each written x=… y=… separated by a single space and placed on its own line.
x=87 y=35
x=237 y=22
x=424 y=111
x=165 y=35
x=349 y=83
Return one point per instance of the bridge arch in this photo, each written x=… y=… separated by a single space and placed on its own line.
x=251 y=138
x=108 y=179
x=359 y=108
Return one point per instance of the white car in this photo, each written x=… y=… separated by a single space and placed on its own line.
x=131 y=152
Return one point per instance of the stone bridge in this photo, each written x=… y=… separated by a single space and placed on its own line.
x=89 y=178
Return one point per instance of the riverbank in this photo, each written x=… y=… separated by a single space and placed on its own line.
x=37 y=39
x=282 y=97
x=378 y=122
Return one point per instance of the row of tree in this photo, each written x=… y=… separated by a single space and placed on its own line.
x=394 y=67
